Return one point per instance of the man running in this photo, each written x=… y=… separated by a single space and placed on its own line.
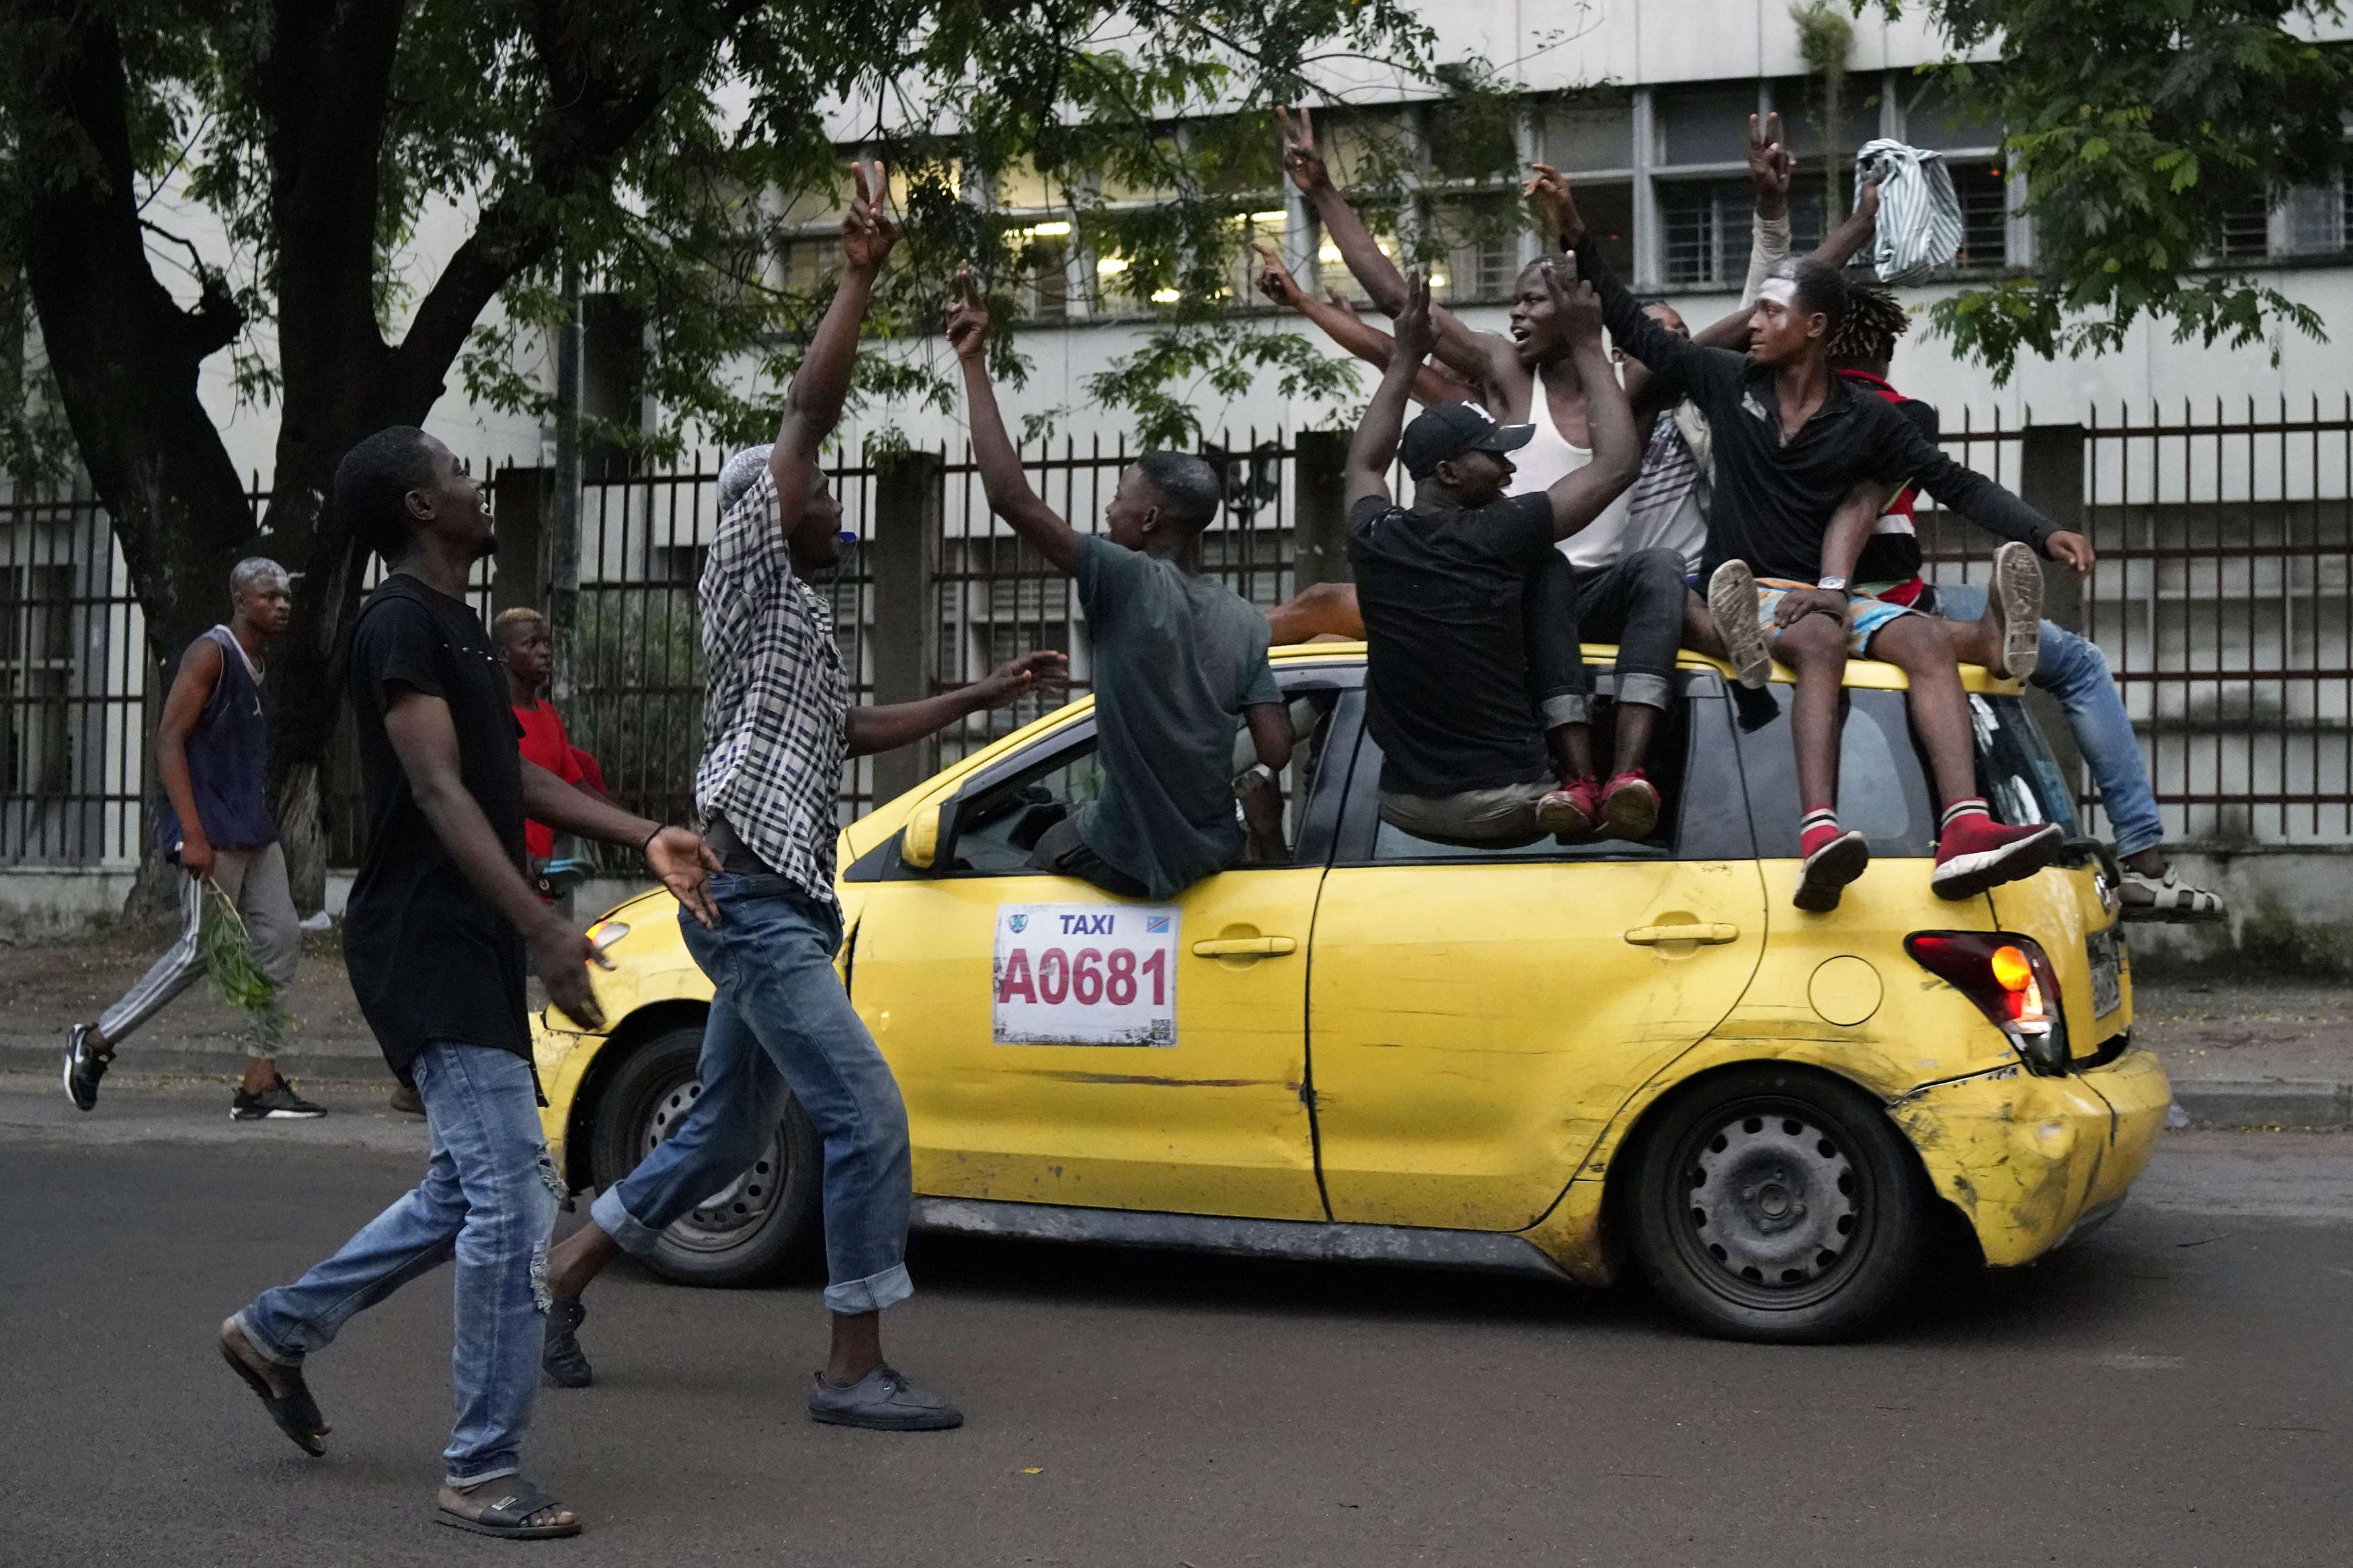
x=778 y=724
x=434 y=936
x=1180 y=665
x=212 y=753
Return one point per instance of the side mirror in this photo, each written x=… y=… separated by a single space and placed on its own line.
x=919 y=841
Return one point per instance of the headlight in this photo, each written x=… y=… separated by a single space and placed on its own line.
x=604 y=934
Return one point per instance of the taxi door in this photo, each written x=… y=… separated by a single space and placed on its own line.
x=1479 y=1017
x=1059 y=1045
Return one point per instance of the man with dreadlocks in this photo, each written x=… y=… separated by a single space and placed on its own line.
x=1804 y=462
x=2070 y=668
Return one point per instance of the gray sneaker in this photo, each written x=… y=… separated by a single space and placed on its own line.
x=1732 y=603
x=881 y=1401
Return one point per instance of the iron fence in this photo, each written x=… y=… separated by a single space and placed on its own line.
x=2221 y=601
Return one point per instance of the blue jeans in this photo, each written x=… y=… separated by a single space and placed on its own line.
x=489 y=1197
x=2075 y=671
x=781 y=1018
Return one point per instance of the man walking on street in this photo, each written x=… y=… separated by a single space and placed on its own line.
x=777 y=725
x=212 y=753
x=434 y=938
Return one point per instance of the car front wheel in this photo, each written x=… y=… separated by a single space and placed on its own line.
x=761 y=1223
x=1778 y=1205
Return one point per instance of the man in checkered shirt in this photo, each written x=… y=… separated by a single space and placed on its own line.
x=779 y=725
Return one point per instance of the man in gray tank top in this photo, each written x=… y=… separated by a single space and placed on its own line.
x=212 y=756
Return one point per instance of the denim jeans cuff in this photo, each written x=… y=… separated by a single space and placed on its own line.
x=1569 y=708
x=263 y=1346
x=872 y=1294
x=466 y=1483
x=2131 y=844
x=615 y=1220
x=1648 y=690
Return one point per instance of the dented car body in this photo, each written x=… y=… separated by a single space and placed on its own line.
x=1383 y=1049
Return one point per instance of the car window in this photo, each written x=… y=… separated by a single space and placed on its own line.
x=1669 y=758
x=996 y=830
x=2016 y=772
x=1882 y=783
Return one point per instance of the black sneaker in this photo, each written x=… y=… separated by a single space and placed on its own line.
x=565 y=1364
x=84 y=1067
x=279 y=1102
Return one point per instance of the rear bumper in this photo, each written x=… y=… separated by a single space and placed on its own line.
x=2031 y=1160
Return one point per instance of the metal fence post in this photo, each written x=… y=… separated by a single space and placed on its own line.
x=521 y=499
x=2051 y=481
x=1320 y=550
x=902 y=550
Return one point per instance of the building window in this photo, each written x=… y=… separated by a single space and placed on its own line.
x=1706 y=225
x=1705 y=124
x=2247 y=232
x=2320 y=217
x=35 y=663
x=1983 y=188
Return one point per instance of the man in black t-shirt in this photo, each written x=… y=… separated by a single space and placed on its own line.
x=435 y=933
x=1442 y=588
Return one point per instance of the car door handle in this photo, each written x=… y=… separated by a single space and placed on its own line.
x=1245 y=947
x=1652 y=936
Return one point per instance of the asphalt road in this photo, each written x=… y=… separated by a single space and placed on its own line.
x=2173 y=1390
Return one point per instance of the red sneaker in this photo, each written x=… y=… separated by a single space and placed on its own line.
x=1834 y=857
x=1975 y=852
x=1571 y=811
x=1630 y=806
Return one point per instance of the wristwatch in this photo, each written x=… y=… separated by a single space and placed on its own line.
x=1835 y=584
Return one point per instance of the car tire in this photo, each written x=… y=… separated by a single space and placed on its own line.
x=763 y=1225
x=1780 y=1205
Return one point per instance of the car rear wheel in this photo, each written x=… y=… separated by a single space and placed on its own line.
x=760 y=1225
x=1778 y=1205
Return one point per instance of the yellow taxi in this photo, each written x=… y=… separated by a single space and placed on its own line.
x=1572 y=1060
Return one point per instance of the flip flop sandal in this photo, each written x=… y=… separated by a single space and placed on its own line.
x=2172 y=899
x=296 y=1413
x=505 y=1516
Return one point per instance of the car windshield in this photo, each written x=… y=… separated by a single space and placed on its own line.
x=2016 y=772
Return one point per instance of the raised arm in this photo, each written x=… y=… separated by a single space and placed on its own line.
x=1376 y=443
x=1431 y=384
x=813 y=404
x=993 y=452
x=1484 y=357
x=1582 y=496
x=1842 y=244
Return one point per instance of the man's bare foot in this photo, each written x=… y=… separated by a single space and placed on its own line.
x=509 y=1506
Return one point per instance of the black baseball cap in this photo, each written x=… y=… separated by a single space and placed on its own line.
x=1445 y=430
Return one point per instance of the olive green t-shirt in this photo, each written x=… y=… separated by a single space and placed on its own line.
x=1177 y=656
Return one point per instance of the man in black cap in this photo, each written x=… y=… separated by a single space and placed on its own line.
x=1454 y=653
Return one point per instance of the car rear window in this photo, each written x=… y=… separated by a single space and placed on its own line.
x=1883 y=786
x=2016 y=772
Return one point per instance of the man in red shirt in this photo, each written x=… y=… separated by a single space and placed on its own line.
x=529 y=653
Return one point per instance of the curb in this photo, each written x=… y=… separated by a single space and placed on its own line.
x=325 y=1062
x=2265 y=1102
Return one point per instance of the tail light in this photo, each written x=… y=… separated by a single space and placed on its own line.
x=2010 y=980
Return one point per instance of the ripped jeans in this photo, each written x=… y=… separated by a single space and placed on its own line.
x=488 y=1198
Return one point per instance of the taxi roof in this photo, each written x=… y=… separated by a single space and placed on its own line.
x=1865 y=673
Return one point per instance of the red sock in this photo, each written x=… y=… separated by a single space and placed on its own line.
x=1816 y=828
x=1968 y=806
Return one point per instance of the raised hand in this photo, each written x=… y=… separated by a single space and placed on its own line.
x=1415 y=331
x=1274 y=280
x=1866 y=199
x=967 y=316
x=1575 y=304
x=1548 y=191
x=1045 y=673
x=867 y=233
x=1300 y=156
x=1771 y=166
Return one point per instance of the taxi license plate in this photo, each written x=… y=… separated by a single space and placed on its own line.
x=2108 y=985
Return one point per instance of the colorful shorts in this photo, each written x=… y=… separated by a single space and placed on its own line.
x=1866 y=616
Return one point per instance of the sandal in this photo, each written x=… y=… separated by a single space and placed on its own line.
x=516 y=1503
x=2170 y=899
x=296 y=1413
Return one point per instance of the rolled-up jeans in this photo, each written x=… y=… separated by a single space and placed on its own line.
x=489 y=1197
x=1636 y=602
x=781 y=1018
x=2074 y=670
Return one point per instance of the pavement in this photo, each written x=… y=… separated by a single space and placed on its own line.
x=2170 y=1390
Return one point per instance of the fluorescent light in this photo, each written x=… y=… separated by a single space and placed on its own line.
x=1438 y=280
x=1278 y=216
x=1111 y=266
x=1165 y=296
x=1051 y=230
x=1328 y=252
